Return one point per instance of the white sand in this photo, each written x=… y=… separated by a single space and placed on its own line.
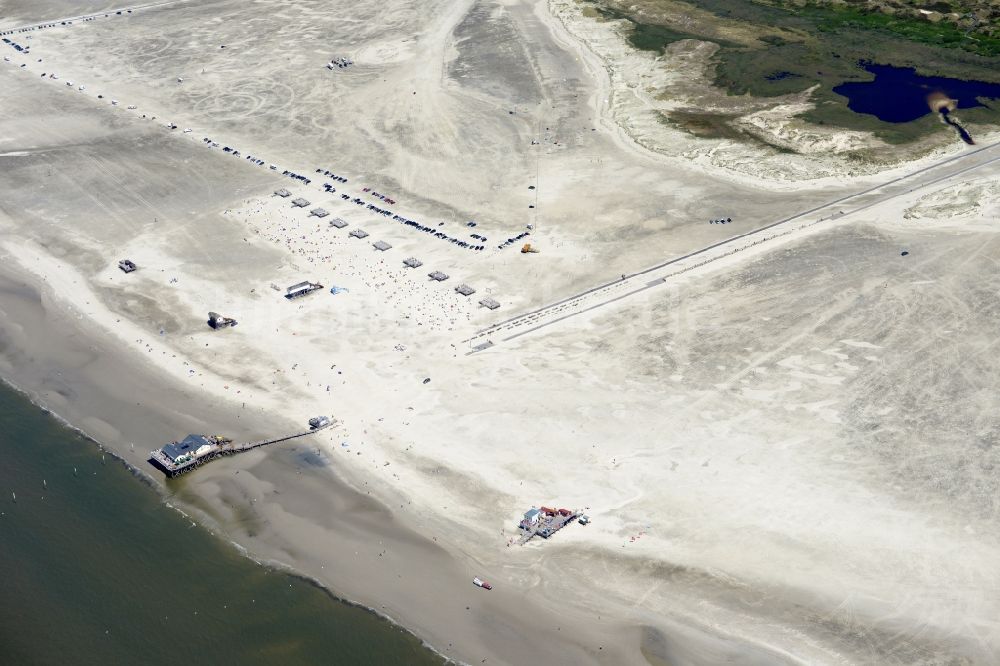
x=712 y=426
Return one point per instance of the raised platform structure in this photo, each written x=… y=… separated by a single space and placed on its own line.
x=193 y=451
x=545 y=522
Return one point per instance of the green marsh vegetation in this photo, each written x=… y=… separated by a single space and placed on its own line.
x=769 y=48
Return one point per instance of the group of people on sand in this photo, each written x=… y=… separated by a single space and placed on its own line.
x=434 y=308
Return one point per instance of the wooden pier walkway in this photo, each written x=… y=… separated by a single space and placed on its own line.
x=223 y=448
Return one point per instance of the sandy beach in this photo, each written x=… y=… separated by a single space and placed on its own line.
x=773 y=473
x=292 y=508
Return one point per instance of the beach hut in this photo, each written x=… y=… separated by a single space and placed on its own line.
x=283 y=193
x=318 y=212
x=300 y=202
x=301 y=289
x=338 y=222
x=217 y=321
x=490 y=303
x=359 y=233
x=381 y=246
x=438 y=276
x=413 y=263
x=465 y=290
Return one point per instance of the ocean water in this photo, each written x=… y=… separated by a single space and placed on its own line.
x=95 y=569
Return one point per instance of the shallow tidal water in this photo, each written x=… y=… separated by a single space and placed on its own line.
x=98 y=570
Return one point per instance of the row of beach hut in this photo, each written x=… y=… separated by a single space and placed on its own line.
x=382 y=246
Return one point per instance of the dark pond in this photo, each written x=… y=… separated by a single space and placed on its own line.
x=780 y=76
x=899 y=94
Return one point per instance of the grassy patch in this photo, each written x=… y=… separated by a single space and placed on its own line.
x=794 y=49
x=652 y=37
x=647 y=36
x=914 y=30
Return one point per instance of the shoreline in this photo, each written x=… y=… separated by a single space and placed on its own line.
x=379 y=601
x=619 y=646
x=148 y=481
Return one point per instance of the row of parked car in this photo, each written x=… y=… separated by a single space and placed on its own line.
x=511 y=241
x=43 y=26
x=327 y=172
